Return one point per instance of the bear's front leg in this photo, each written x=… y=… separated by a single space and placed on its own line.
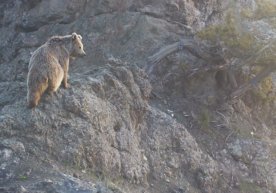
x=66 y=68
x=65 y=83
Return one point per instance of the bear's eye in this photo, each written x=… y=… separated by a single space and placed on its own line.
x=79 y=47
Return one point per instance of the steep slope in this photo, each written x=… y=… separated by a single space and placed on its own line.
x=120 y=128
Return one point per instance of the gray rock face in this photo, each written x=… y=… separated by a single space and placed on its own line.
x=104 y=125
x=174 y=156
x=108 y=133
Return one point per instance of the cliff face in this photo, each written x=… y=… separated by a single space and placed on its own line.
x=121 y=127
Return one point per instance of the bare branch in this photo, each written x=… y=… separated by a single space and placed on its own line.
x=253 y=82
x=210 y=54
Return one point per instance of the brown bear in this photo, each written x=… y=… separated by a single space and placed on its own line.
x=49 y=64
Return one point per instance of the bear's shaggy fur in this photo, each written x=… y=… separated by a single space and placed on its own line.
x=49 y=64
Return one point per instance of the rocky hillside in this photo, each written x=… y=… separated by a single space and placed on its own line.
x=127 y=125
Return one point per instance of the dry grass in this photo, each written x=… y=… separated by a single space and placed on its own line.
x=266 y=8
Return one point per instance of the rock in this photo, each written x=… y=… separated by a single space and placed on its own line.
x=235 y=150
x=171 y=144
x=109 y=132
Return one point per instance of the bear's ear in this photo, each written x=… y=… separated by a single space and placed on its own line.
x=80 y=37
x=74 y=36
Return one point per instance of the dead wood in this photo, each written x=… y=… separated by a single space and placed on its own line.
x=253 y=82
x=211 y=54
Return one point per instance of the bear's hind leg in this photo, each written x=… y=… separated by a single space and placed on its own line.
x=33 y=99
x=34 y=94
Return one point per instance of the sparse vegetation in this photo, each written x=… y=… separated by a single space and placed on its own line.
x=230 y=34
x=204 y=119
x=239 y=42
x=246 y=187
x=22 y=177
x=266 y=8
x=264 y=92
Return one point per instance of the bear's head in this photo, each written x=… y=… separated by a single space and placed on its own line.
x=77 y=46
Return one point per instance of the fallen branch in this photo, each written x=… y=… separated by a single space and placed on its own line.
x=157 y=57
x=207 y=53
x=256 y=55
x=207 y=68
x=253 y=82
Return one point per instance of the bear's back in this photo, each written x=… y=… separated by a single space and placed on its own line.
x=43 y=57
